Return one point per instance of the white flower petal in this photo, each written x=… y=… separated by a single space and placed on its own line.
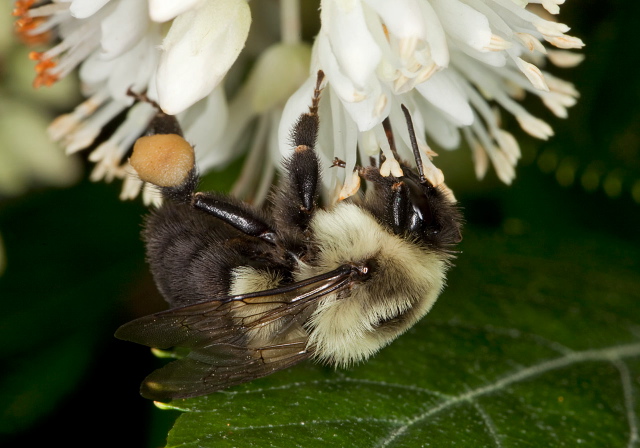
x=552 y=5
x=81 y=9
x=123 y=28
x=351 y=186
x=164 y=10
x=432 y=173
x=151 y=196
x=535 y=126
x=130 y=187
x=298 y=104
x=95 y=70
x=441 y=91
x=372 y=110
x=492 y=58
x=343 y=86
x=464 y=23
x=533 y=74
x=565 y=42
x=368 y=143
x=401 y=17
x=199 y=50
x=234 y=138
x=204 y=123
x=504 y=169
x=345 y=133
x=390 y=166
x=145 y=58
x=480 y=157
x=509 y=146
x=355 y=49
x=436 y=37
x=565 y=59
x=531 y=42
x=443 y=131
x=489 y=10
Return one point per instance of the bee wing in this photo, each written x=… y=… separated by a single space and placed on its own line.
x=218 y=366
x=216 y=335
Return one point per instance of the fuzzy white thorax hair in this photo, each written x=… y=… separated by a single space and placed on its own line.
x=406 y=279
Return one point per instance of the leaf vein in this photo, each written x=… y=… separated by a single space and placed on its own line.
x=319 y=422
x=609 y=354
x=409 y=387
x=629 y=401
x=488 y=422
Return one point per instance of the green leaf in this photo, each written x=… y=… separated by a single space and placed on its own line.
x=535 y=342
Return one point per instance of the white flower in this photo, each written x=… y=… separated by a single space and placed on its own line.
x=453 y=63
x=198 y=50
x=450 y=62
x=119 y=47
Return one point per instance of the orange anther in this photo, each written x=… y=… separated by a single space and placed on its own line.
x=44 y=79
x=36 y=39
x=44 y=65
x=21 y=7
x=24 y=28
x=23 y=23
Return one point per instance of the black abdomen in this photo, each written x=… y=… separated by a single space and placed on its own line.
x=192 y=254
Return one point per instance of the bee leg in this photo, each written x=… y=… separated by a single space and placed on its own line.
x=296 y=198
x=232 y=211
x=165 y=159
x=235 y=213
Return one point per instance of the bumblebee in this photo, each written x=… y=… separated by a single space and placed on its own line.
x=255 y=290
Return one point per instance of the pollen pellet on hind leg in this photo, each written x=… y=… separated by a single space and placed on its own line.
x=164 y=160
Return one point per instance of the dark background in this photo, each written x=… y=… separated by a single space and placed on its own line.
x=76 y=267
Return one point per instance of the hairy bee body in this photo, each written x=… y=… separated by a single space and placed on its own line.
x=252 y=291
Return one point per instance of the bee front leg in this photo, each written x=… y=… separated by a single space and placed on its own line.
x=297 y=196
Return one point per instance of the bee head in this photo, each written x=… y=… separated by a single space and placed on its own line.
x=431 y=214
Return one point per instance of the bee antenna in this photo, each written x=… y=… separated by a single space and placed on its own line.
x=313 y=109
x=386 y=124
x=414 y=143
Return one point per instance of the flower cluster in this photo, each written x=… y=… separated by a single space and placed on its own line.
x=453 y=63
